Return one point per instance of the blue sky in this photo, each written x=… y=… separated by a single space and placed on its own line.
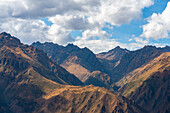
x=134 y=28
x=125 y=32
x=98 y=25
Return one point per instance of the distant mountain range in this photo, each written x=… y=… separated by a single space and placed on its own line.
x=136 y=59
x=115 y=63
x=81 y=62
x=48 y=78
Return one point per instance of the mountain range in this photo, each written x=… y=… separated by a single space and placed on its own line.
x=49 y=78
x=114 y=64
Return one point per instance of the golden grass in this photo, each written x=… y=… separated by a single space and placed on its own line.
x=134 y=79
x=76 y=69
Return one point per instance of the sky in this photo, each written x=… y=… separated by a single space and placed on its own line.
x=99 y=25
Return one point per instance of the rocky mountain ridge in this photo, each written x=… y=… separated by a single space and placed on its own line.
x=30 y=82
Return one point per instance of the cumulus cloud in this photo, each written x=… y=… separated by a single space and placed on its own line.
x=158 y=25
x=117 y=12
x=60 y=35
x=44 y=8
x=97 y=45
x=140 y=40
x=27 y=30
x=22 y=18
x=103 y=45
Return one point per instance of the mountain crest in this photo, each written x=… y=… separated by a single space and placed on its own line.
x=149 y=46
x=8 y=39
x=72 y=47
x=117 y=47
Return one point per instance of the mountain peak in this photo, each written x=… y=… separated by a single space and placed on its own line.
x=149 y=46
x=117 y=47
x=72 y=47
x=7 y=38
x=4 y=34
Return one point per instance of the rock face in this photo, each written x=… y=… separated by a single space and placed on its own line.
x=32 y=83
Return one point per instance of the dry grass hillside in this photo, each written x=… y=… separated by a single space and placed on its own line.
x=153 y=95
x=30 y=82
x=135 y=59
x=149 y=85
x=87 y=99
x=135 y=78
x=79 y=61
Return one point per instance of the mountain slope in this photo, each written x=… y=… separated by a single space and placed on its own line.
x=100 y=79
x=135 y=78
x=149 y=85
x=80 y=62
x=111 y=58
x=153 y=94
x=134 y=60
x=16 y=58
x=88 y=99
x=29 y=82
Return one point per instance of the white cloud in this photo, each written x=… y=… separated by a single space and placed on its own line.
x=58 y=34
x=97 y=45
x=89 y=16
x=130 y=40
x=73 y=22
x=44 y=8
x=158 y=25
x=140 y=40
x=117 y=12
x=103 y=45
x=26 y=30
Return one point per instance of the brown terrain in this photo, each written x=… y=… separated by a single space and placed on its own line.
x=149 y=84
x=153 y=95
x=100 y=79
x=134 y=60
x=112 y=58
x=31 y=82
x=83 y=63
